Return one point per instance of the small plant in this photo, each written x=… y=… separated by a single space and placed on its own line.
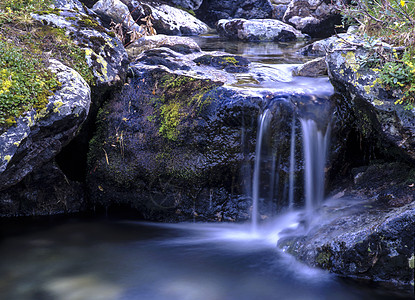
x=400 y=74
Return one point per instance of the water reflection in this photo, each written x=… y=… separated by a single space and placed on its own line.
x=264 y=52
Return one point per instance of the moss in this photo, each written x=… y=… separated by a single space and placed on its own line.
x=179 y=97
x=25 y=83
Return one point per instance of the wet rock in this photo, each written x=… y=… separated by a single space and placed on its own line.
x=173 y=143
x=318 y=48
x=314 y=68
x=365 y=231
x=212 y=11
x=366 y=103
x=315 y=18
x=256 y=30
x=231 y=64
x=38 y=136
x=178 y=44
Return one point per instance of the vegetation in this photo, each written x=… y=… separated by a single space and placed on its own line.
x=25 y=49
x=393 y=22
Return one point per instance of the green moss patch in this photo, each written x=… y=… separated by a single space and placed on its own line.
x=25 y=83
x=180 y=97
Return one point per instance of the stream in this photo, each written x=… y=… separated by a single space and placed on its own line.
x=125 y=259
x=105 y=259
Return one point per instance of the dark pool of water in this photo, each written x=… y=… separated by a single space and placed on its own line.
x=132 y=260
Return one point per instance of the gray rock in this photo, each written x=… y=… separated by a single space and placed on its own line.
x=367 y=101
x=118 y=12
x=174 y=21
x=39 y=135
x=264 y=30
x=313 y=17
x=104 y=53
x=178 y=43
x=314 y=68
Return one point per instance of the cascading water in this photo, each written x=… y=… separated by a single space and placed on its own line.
x=315 y=142
x=263 y=126
x=292 y=166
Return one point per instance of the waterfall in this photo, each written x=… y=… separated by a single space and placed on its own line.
x=292 y=166
x=315 y=143
x=263 y=126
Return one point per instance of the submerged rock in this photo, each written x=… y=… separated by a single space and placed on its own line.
x=256 y=30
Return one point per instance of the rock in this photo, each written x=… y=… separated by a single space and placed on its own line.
x=279 y=11
x=69 y=5
x=188 y=4
x=179 y=44
x=366 y=103
x=104 y=53
x=174 y=21
x=369 y=238
x=45 y=191
x=319 y=48
x=212 y=11
x=315 y=18
x=173 y=143
x=313 y=68
x=118 y=12
x=258 y=30
x=167 y=19
x=38 y=136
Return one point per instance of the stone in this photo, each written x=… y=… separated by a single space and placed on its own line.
x=255 y=30
x=118 y=12
x=368 y=228
x=212 y=11
x=178 y=43
x=368 y=104
x=188 y=4
x=313 y=68
x=38 y=136
x=315 y=18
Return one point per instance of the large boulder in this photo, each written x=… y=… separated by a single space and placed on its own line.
x=212 y=11
x=368 y=104
x=315 y=18
x=178 y=142
x=38 y=136
x=256 y=30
